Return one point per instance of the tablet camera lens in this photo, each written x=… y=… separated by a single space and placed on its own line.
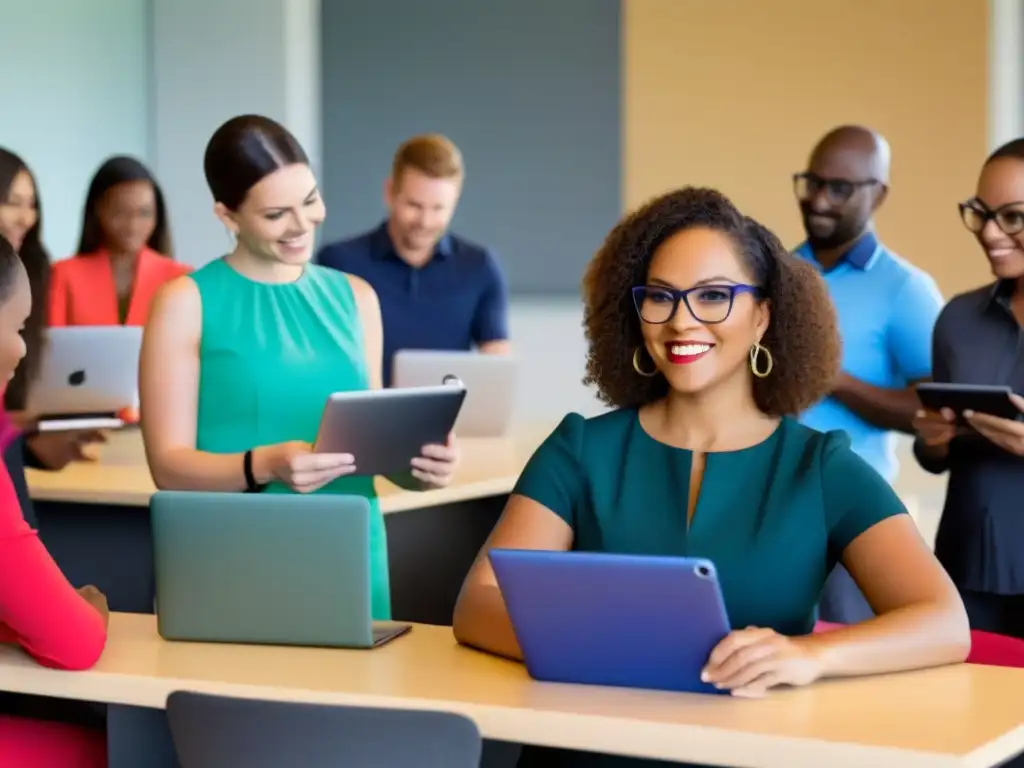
x=703 y=571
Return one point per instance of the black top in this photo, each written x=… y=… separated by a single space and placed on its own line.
x=980 y=541
x=18 y=456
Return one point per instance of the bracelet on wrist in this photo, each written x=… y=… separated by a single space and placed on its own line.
x=251 y=486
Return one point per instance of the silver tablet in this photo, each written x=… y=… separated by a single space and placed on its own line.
x=491 y=383
x=385 y=429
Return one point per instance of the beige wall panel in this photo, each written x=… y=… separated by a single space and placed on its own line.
x=733 y=94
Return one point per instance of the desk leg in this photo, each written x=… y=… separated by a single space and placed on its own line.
x=430 y=551
x=139 y=737
x=106 y=545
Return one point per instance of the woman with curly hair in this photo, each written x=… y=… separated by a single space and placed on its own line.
x=708 y=338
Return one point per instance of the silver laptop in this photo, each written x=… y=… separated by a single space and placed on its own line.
x=491 y=383
x=88 y=372
x=267 y=568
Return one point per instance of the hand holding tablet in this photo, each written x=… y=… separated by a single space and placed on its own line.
x=959 y=399
x=936 y=428
x=55 y=450
x=296 y=465
x=994 y=412
x=395 y=432
x=1007 y=433
x=749 y=662
x=436 y=464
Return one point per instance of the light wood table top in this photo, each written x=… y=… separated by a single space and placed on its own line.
x=965 y=716
x=120 y=475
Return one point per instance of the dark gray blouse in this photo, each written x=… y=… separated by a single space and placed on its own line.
x=980 y=541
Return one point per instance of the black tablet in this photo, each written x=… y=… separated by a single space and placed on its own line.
x=981 y=398
x=385 y=429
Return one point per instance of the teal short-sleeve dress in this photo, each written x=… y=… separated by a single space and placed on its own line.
x=269 y=357
x=774 y=518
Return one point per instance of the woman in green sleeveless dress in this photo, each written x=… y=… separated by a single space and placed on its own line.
x=239 y=358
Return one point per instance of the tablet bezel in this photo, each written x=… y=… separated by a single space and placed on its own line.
x=981 y=398
x=602 y=618
x=384 y=429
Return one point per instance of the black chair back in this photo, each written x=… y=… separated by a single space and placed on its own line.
x=221 y=732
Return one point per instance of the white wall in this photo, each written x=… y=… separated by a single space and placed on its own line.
x=548 y=337
x=212 y=60
x=75 y=91
x=1006 y=71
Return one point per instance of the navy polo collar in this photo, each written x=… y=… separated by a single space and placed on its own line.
x=382 y=248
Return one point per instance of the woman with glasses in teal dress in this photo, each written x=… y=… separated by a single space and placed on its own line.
x=239 y=358
x=708 y=338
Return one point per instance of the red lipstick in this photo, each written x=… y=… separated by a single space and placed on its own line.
x=683 y=352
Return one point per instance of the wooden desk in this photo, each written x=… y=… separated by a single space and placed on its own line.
x=965 y=716
x=120 y=476
x=94 y=519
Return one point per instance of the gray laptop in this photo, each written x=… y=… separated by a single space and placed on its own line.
x=87 y=372
x=276 y=569
x=491 y=383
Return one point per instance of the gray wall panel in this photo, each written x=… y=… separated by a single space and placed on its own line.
x=528 y=89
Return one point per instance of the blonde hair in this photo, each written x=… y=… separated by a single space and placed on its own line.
x=431 y=154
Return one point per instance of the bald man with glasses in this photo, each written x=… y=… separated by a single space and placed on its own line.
x=886 y=307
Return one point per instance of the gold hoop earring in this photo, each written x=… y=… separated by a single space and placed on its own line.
x=755 y=354
x=638 y=369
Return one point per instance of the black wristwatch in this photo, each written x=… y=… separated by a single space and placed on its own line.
x=251 y=486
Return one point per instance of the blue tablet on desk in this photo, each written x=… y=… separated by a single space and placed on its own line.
x=621 y=620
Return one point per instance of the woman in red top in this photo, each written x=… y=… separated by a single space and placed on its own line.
x=58 y=626
x=124 y=254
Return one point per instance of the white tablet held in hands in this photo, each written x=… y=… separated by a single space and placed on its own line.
x=385 y=429
x=491 y=383
x=88 y=375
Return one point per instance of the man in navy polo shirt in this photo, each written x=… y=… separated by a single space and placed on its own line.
x=436 y=290
x=886 y=307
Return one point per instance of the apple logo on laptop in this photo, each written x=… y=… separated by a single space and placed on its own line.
x=76 y=379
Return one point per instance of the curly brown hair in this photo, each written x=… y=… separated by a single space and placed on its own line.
x=801 y=336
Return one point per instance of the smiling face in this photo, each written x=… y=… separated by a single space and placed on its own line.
x=420 y=209
x=127 y=215
x=1001 y=188
x=278 y=218
x=696 y=356
x=18 y=212
x=840 y=191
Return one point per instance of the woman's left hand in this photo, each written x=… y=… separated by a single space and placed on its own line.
x=750 y=661
x=1008 y=434
x=436 y=464
x=55 y=450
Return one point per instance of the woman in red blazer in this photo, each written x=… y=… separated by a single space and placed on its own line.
x=124 y=254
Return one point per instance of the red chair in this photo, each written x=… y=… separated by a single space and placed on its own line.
x=987 y=648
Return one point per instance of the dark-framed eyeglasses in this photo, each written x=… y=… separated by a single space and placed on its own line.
x=1009 y=218
x=808 y=186
x=708 y=304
